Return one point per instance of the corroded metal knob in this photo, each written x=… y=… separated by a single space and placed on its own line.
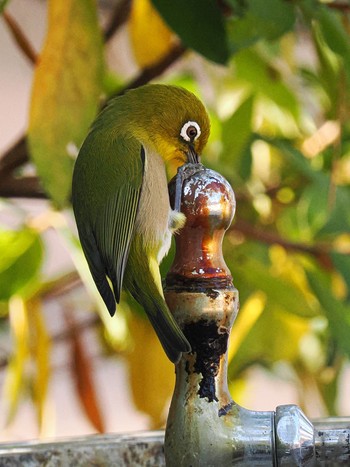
x=205 y=426
x=208 y=202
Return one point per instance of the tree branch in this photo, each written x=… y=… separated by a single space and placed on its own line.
x=20 y=38
x=14 y=157
x=118 y=18
x=319 y=252
x=147 y=74
x=340 y=6
x=24 y=187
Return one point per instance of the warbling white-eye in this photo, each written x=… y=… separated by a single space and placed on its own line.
x=120 y=196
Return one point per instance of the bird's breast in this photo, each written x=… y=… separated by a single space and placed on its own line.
x=152 y=220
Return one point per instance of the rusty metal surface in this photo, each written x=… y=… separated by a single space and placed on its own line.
x=205 y=426
x=208 y=203
x=142 y=449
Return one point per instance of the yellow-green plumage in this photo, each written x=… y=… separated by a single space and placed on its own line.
x=120 y=196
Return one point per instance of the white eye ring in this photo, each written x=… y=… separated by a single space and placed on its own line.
x=185 y=135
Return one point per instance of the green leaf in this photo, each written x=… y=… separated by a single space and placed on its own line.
x=269 y=20
x=273 y=18
x=342 y=263
x=20 y=261
x=334 y=33
x=274 y=337
x=313 y=206
x=66 y=90
x=263 y=78
x=339 y=218
x=199 y=24
x=297 y=160
x=241 y=34
x=327 y=76
x=279 y=291
x=337 y=313
x=236 y=137
x=15 y=382
x=40 y=346
x=3 y=4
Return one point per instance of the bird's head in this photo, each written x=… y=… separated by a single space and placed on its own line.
x=171 y=120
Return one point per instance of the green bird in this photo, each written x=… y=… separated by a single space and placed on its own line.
x=120 y=196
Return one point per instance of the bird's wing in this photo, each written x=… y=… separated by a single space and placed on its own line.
x=106 y=240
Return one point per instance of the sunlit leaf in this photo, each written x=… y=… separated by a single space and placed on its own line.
x=236 y=136
x=313 y=206
x=339 y=218
x=151 y=374
x=146 y=22
x=274 y=337
x=83 y=376
x=337 y=312
x=248 y=314
x=278 y=290
x=297 y=160
x=249 y=66
x=326 y=78
x=199 y=24
x=15 y=378
x=66 y=90
x=342 y=263
x=40 y=346
x=20 y=260
x=329 y=387
x=328 y=216
x=334 y=33
x=29 y=365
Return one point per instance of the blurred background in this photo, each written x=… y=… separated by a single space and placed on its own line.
x=274 y=76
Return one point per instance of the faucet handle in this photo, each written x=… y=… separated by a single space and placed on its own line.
x=209 y=204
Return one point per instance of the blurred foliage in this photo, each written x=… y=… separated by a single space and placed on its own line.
x=73 y=49
x=274 y=76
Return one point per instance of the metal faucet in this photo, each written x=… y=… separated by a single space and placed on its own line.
x=205 y=426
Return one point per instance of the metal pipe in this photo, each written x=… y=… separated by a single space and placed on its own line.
x=205 y=426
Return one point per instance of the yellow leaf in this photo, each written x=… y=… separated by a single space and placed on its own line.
x=29 y=366
x=14 y=384
x=40 y=346
x=66 y=90
x=152 y=375
x=247 y=317
x=150 y=37
x=83 y=376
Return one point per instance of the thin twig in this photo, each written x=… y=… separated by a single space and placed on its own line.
x=340 y=6
x=118 y=18
x=23 y=187
x=20 y=38
x=14 y=157
x=151 y=72
x=271 y=238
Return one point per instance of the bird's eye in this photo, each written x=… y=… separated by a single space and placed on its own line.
x=190 y=131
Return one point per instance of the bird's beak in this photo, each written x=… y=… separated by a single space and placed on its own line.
x=192 y=156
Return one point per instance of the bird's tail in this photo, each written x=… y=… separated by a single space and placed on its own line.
x=147 y=290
